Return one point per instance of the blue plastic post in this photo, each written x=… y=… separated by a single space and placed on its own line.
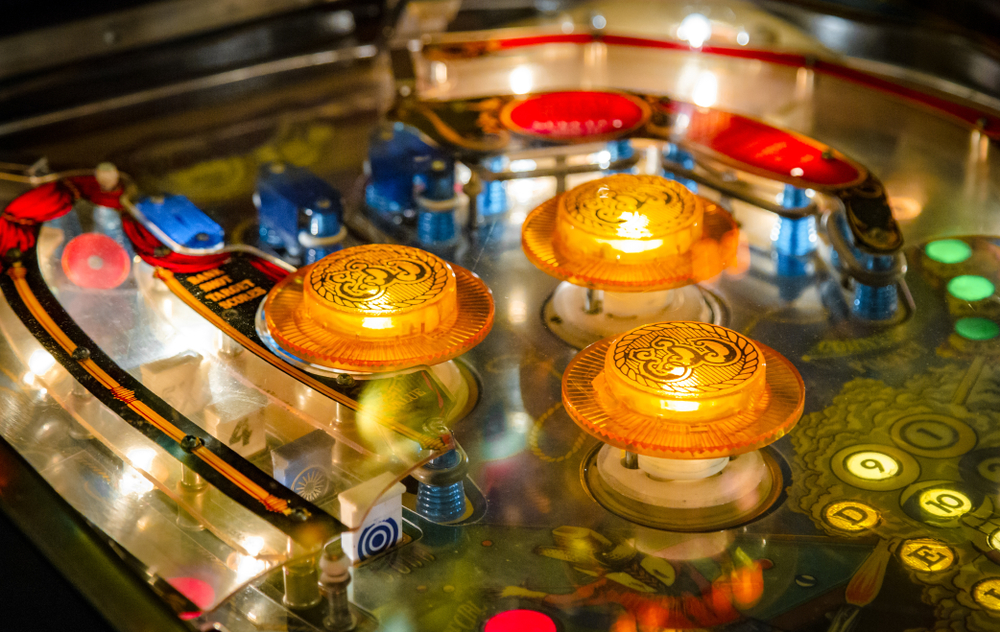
x=443 y=503
x=678 y=156
x=493 y=199
x=436 y=219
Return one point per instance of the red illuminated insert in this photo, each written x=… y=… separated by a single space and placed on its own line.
x=95 y=261
x=200 y=593
x=768 y=151
x=576 y=115
x=520 y=621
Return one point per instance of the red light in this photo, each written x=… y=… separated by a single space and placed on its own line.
x=199 y=592
x=578 y=115
x=770 y=151
x=520 y=621
x=96 y=261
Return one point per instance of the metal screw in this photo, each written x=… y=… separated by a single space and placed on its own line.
x=202 y=237
x=345 y=381
x=13 y=255
x=190 y=443
x=299 y=514
x=161 y=251
x=81 y=353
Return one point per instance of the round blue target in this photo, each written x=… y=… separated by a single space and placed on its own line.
x=377 y=538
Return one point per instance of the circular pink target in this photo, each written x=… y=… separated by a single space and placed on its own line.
x=95 y=261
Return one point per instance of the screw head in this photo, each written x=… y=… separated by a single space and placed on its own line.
x=298 y=514
x=161 y=251
x=81 y=353
x=345 y=380
x=190 y=443
x=230 y=314
x=202 y=237
x=13 y=255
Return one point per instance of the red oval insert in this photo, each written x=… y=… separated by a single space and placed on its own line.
x=520 y=621
x=576 y=115
x=95 y=261
x=768 y=151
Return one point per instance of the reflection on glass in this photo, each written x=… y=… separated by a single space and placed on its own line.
x=521 y=80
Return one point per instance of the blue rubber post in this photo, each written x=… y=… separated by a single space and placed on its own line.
x=620 y=150
x=442 y=503
x=870 y=302
x=324 y=223
x=493 y=199
x=673 y=153
x=875 y=302
x=795 y=237
x=436 y=226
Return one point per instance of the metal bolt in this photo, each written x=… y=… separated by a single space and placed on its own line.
x=202 y=237
x=345 y=380
x=81 y=353
x=190 y=443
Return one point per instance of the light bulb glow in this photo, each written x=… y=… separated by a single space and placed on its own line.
x=521 y=80
x=706 y=90
x=41 y=361
x=695 y=29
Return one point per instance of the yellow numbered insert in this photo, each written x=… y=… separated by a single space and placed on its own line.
x=629 y=249
x=376 y=309
x=683 y=408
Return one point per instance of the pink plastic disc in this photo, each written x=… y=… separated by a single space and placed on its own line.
x=95 y=261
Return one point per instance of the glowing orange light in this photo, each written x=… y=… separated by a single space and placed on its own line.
x=683 y=390
x=630 y=233
x=379 y=308
x=904 y=208
x=867 y=581
x=748 y=584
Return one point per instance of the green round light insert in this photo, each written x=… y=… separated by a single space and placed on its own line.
x=970 y=288
x=977 y=329
x=948 y=251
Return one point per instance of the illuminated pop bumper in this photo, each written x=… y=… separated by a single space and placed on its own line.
x=376 y=309
x=691 y=404
x=622 y=243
